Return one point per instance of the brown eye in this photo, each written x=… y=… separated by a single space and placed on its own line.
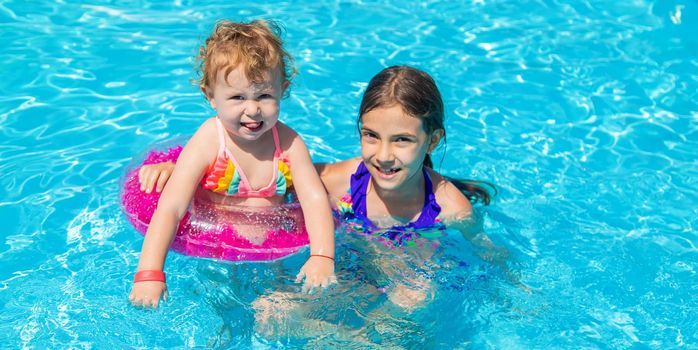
x=368 y=135
x=403 y=141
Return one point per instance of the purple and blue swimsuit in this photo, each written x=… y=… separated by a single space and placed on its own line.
x=352 y=211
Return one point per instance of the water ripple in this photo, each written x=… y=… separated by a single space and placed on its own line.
x=583 y=114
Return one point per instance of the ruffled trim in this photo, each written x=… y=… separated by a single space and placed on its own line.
x=357 y=187
x=344 y=204
x=285 y=172
x=234 y=186
x=224 y=177
x=220 y=176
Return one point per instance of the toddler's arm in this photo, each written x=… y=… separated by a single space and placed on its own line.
x=172 y=205
x=319 y=269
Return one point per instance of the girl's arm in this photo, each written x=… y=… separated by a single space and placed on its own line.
x=319 y=269
x=155 y=176
x=336 y=177
x=457 y=213
x=455 y=206
x=173 y=203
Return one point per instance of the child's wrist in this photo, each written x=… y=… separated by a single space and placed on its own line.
x=323 y=256
x=149 y=275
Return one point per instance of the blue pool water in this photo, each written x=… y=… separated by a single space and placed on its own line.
x=584 y=114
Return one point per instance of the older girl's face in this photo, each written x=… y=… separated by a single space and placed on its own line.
x=393 y=147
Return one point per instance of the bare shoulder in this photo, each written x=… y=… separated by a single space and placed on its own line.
x=204 y=144
x=293 y=148
x=454 y=204
x=336 y=176
x=288 y=137
x=207 y=129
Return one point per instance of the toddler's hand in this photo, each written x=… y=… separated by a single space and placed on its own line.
x=318 y=272
x=148 y=293
x=155 y=175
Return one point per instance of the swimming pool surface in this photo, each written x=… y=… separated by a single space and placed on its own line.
x=583 y=113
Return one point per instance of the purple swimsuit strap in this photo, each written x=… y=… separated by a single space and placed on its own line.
x=359 y=185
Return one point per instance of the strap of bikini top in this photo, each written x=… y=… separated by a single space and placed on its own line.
x=221 y=136
x=277 y=143
x=431 y=208
x=358 y=187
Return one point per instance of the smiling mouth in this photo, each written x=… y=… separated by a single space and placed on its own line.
x=253 y=126
x=387 y=171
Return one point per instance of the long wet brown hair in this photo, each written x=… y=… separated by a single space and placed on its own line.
x=416 y=92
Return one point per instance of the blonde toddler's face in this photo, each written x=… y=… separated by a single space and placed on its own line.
x=247 y=109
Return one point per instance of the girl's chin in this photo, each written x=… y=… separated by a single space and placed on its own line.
x=387 y=182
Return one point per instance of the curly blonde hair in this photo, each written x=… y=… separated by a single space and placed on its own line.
x=256 y=45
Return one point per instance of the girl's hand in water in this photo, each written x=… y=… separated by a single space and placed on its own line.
x=155 y=175
x=318 y=271
x=148 y=293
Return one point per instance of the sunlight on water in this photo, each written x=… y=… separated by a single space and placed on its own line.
x=584 y=115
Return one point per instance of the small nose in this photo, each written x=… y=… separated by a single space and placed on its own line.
x=251 y=108
x=384 y=153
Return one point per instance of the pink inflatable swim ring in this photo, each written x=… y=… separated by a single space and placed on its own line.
x=218 y=231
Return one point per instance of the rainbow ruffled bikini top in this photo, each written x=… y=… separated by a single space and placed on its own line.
x=225 y=176
x=351 y=209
